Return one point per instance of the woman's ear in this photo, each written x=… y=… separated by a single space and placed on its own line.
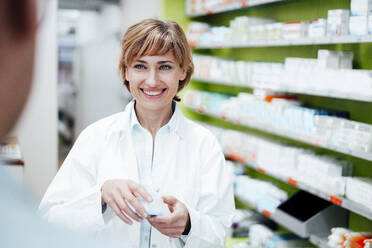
x=184 y=74
x=126 y=73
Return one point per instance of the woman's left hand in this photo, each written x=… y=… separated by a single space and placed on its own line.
x=175 y=224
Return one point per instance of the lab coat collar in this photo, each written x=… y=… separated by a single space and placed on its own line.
x=123 y=123
x=170 y=126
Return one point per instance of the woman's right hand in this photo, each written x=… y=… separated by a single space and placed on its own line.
x=119 y=194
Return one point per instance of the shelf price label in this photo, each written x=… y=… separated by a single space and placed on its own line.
x=266 y=213
x=236 y=158
x=201 y=110
x=291 y=181
x=336 y=200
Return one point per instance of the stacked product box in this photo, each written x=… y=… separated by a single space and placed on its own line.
x=327 y=174
x=261 y=195
x=361 y=13
x=294 y=30
x=195 y=31
x=324 y=173
x=335 y=59
x=242 y=147
x=359 y=190
x=323 y=127
x=211 y=6
x=338 y=22
x=240 y=26
x=317 y=28
x=330 y=73
x=350 y=135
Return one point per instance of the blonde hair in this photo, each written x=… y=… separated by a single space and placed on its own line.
x=155 y=37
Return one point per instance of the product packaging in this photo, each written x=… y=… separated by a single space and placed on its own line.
x=359 y=190
x=361 y=7
x=294 y=30
x=338 y=22
x=358 y=25
x=317 y=28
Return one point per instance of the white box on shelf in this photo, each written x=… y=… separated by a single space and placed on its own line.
x=359 y=190
x=346 y=60
x=317 y=28
x=328 y=59
x=358 y=25
x=294 y=30
x=338 y=22
x=370 y=24
x=361 y=7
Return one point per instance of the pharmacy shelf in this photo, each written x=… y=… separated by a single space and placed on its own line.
x=232 y=7
x=271 y=129
x=266 y=213
x=337 y=200
x=319 y=241
x=332 y=94
x=295 y=42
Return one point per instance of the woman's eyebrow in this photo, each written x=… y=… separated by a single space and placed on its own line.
x=141 y=61
x=165 y=61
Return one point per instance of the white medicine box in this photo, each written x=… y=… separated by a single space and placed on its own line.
x=338 y=22
x=361 y=7
x=358 y=25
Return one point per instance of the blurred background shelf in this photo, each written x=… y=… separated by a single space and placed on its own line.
x=296 y=42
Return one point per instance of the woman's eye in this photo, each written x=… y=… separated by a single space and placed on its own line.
x=165 y=67
x=139 y=66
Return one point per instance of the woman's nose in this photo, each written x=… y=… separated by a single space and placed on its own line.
x=152 y=79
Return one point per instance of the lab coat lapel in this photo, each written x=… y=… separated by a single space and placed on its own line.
x=119 y=158
x=129 y=159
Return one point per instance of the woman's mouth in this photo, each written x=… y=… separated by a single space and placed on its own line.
x=153 y=93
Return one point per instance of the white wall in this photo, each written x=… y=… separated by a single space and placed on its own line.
x=135 y=11
x=101 y=92
x=37 y=127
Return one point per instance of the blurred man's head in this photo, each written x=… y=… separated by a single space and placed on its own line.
x=18 y=23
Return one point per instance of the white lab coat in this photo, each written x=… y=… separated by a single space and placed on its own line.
x=188 y=164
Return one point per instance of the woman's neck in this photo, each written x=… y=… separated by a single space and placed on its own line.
x=153 y=120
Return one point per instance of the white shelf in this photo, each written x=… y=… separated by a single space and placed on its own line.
x=296 y=42
x=337 y=200
x=231 y=7
x=266 y=213
x=297 y=137
x=332 y=94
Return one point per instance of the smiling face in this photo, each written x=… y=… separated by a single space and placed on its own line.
x=154 y=80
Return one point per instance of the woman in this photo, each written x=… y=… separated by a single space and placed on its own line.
x=125 y=162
